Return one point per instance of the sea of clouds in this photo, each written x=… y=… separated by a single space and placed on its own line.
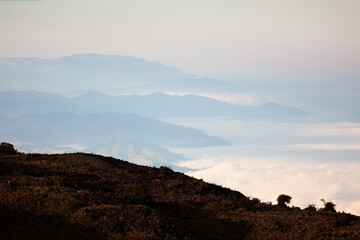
x=308 y=161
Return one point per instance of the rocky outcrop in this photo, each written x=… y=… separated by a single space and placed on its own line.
x=7 y=148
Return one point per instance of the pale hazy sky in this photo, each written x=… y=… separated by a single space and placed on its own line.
x=286 y=39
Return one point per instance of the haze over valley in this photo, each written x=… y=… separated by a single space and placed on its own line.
x=162 y=128
x=260 y=97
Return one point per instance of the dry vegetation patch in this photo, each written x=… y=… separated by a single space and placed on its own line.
x=86 y=196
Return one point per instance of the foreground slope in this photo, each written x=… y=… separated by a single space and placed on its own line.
x=86 y=196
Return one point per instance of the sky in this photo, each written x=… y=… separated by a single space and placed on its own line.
x=284 y=40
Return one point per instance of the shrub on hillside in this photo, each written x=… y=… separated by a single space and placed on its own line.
x=329 y=206
x=283 y=200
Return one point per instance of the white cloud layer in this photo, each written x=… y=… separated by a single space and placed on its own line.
x=232 y=98
x=326 y=146
x=307 y=161
x=338 y=129
x=306 y=181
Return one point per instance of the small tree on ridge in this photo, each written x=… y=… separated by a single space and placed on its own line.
x=329 y=206
x=283 y=200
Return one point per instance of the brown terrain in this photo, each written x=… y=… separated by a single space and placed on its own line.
x=87 y=196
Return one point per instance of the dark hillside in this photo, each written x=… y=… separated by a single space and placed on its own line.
x=86 y=196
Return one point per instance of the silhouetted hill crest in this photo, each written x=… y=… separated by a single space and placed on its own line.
x=87 y=196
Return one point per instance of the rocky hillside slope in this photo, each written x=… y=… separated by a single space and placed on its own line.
x=86 y=196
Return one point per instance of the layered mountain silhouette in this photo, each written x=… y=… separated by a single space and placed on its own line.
x=101 y=72
x=63 y=127
x=123 y=135
x=155 y=105
x=120 y=126
x=87 y=196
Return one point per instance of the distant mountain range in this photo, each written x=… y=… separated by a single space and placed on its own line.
x=126 y=135
x=63 y=127
x=120 y=126
x=106 y=73
x=156 y=105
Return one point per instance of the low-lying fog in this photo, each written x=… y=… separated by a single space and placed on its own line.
x=307 y=161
